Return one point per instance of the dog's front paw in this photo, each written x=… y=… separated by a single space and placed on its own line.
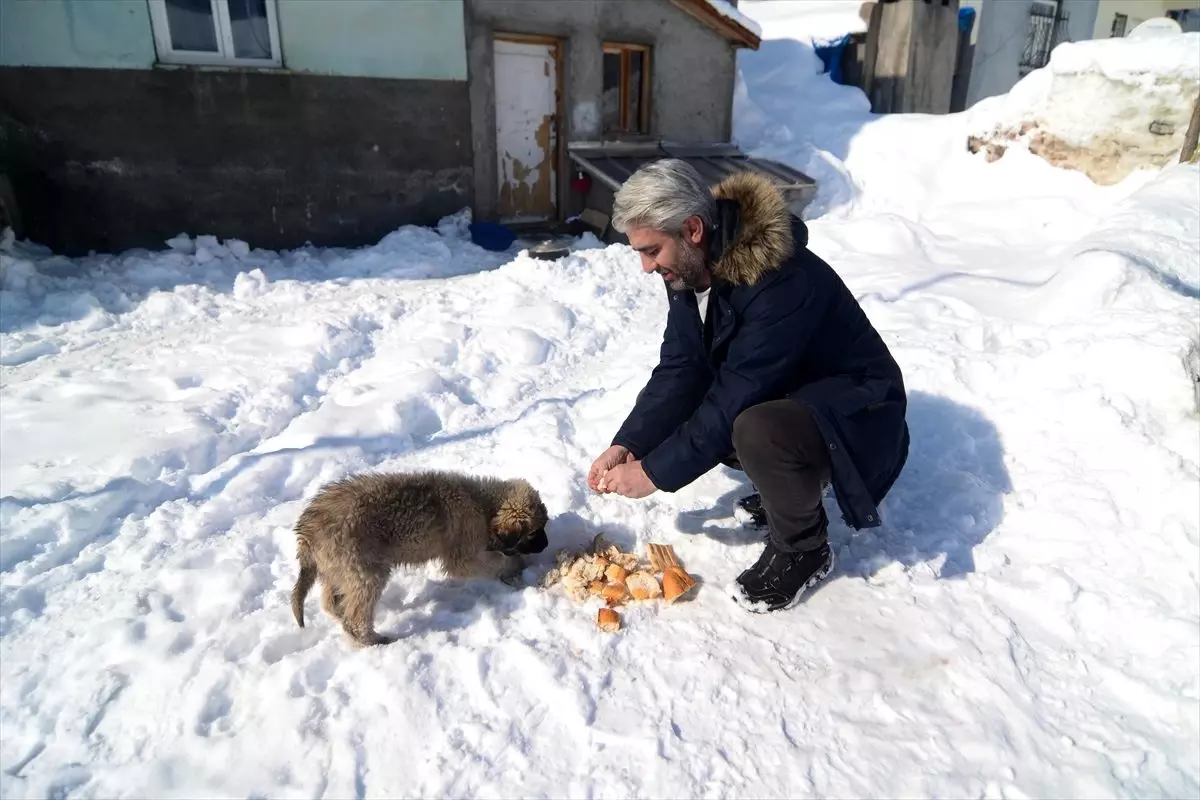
x=372 y=639
x=516 y=580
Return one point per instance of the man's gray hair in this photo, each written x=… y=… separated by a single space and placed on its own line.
x=661 y=195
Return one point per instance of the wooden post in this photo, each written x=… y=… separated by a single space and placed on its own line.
x=910 y=55
x=1188 y=153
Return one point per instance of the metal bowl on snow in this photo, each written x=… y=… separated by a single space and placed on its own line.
x=550 y=249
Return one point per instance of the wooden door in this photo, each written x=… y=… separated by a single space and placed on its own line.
x=526 y=74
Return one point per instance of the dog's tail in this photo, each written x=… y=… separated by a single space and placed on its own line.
x=308 y=576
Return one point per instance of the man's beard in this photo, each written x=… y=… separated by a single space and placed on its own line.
x=688 y=269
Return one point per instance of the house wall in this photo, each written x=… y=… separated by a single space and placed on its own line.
x=418 y=39
x=1002 y=29
x=108 y=159
x=69 y=33
x=692 y=74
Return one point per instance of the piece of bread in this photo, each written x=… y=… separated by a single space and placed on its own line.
x=608 y=620
x=593 y=568
x=615 y=593
x=643 y=586
x=676 y=583
x=662 y=557
x=615 y=573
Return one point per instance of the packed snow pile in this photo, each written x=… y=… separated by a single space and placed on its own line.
x=1105 y=107
x=779 y=93
x=1024 y=623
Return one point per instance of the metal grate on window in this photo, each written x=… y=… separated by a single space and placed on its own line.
x=1047 y=29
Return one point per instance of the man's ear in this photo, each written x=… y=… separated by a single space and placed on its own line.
x=693 y=229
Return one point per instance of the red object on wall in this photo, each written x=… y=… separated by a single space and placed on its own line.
x=581 y=182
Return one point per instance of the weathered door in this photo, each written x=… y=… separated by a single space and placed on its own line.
x=526 y=101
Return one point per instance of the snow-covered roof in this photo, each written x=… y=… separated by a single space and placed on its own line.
x=724 y=18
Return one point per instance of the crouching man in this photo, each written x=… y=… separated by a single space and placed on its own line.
x=767 y=364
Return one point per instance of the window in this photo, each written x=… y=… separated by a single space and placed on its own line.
x=626 y=98
x=1047 y=29
x=221 y=32
x=1118 y=26
x=1188 y=18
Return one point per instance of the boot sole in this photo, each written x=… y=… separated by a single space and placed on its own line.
x=762 y=608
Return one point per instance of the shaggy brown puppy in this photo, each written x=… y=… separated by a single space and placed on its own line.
x=355 y=531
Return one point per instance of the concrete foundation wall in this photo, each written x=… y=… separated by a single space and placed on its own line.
x=113 y=159
x=692 y=73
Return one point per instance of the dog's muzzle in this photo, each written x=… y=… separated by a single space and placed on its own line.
x=528 y=545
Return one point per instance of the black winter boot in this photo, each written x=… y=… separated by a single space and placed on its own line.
x=750 y=512
x=779 y=579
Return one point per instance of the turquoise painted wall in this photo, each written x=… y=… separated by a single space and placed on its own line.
x=375 y=38
x=76 y=33
x=357 y=38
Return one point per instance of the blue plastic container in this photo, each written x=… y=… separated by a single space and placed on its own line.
x=491 y=236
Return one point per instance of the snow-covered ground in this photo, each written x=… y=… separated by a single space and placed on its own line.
x=1025 y=624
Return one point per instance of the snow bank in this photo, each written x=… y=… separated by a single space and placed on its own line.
x=193 y=424
x=785 y=109
x=1106 y=107
x=1143 y=61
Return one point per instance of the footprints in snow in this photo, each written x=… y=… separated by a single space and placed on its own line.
x=215 y=711
x=34 y=752
x=114 y=683
x=313 y=678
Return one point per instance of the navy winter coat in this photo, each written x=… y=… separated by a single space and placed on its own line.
x=784 y=325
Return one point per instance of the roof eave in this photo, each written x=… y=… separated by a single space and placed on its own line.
x=729 y=28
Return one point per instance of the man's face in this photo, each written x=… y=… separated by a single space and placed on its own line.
x=678 y=259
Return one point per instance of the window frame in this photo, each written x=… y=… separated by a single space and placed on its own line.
x=624 y=49
x=224 y=57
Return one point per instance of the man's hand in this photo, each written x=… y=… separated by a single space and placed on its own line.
x=628 y=480
x=608 y=459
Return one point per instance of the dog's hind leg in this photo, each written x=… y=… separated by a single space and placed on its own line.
x=331 y=601
x=358 y=617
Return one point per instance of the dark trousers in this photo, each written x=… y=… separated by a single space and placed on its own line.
x=779 y=447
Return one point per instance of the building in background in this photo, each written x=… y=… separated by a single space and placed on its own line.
x=125 y=122
x=1120 y=17
x=1015 y=37
x=280 y=122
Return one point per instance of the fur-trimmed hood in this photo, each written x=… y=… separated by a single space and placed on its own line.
x=753 y=232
